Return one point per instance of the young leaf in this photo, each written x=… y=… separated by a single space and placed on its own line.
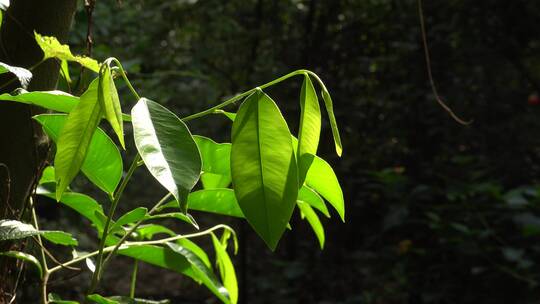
x=52 y=48
x=333 y=124
x=263 y=167
x=26 y=258
x=132 y=216
x=323 y=180
x=216 y=164
x=220 y=201
x=310 y=128
x=313 y=220
x=308 y=195
x=75 y=137
x=22 y=74
x=103 y=163
x=47 y=176
x=167 y=148
x=14 y=230
x=64 y=69
x=60 y=238
x=226 y=269
x=110 y=103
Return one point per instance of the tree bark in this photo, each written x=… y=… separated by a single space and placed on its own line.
x=22 y=144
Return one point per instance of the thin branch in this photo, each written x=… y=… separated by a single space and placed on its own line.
x=428 y=66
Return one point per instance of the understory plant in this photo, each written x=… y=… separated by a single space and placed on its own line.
x=262 y=175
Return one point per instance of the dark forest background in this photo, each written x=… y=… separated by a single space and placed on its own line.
x=437 y=212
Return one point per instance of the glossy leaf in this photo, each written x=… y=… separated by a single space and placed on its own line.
x=220 y=201
x=310 y=128
x=4 y=4
x=132 y=216
x=176 y=261
x=313 y=220
x=263 y=167
x=308 y=195
x=95 y=298
x=333 y=124
x=226 y=269
x=52 y=100
x=47 y=176
x=167 y=148
x=323 y=180
x=14 y=230
x=103 y=162
x=60 y=238
x=26 y=258
x=216 y=164
x=23 y=75
x=110 y=103
x=52 y=48
x=198 y=251
x=75 y=138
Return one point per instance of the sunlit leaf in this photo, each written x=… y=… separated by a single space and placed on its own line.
x=323 y=180
x=185 y=217
x=60 y=238
x=110 y=103
x=333 y=124
x=313 y=220
x=264 y=171
x=226 y=269
x=103 y=162
x=13 y=230
x=75 y=138
x=310 y=128
x=308 y=195
x=167 y=148
x=52 y=48
x=220 y=201
x=52 y=100
x=216 y=164
x=23 y=75
x=132 y=216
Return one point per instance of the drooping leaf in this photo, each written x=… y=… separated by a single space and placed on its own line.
x=64 y=69
x=52 y=48
x=132 y=216
x=103 y=162
x=23 y=75
x=75 y=138
x=176 y=261
x=313 y=220
x=333 y=124
x=226 y=269
x=263 y=167
x=323 y=180
x=110 y=103
x=216 y=164
x=308 y=195
x=198 y=251
x=177 y=215
x=167 y=148
x=26 y=258
x=60 y=238
x=82 y=204
x=14 y=230
x=310 y=128
x=220 y=201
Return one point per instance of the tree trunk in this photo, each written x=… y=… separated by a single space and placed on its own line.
x=22 y=145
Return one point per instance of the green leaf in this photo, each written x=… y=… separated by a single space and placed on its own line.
x=60 y=238
x=80 y=203
x=216 y=164
x=23 y=75
x=177 y=261
x=177 y=215
x=132 y=216
x=323 y=180
x=127 y=300
x=313 y=220
x=52 y=100
x=308 y=195
x=47 y=176
x=198 y=251
x=310 y=128
x=103 y=162
x=333 y=124
x=100 y=299
x=14 y=230
x=52 y=48
x=148 y=231
x=110 y=103
x=220 y=201
x=64 y=69
x=75 y=137
x=54 y=298
x=167 y=148
x=226 y=269
x=26 y=258
x=263 y=165
x=204 y=274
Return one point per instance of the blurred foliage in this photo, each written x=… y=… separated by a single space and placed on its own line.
x=437 y=212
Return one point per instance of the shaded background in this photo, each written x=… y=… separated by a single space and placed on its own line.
x=436 y=212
